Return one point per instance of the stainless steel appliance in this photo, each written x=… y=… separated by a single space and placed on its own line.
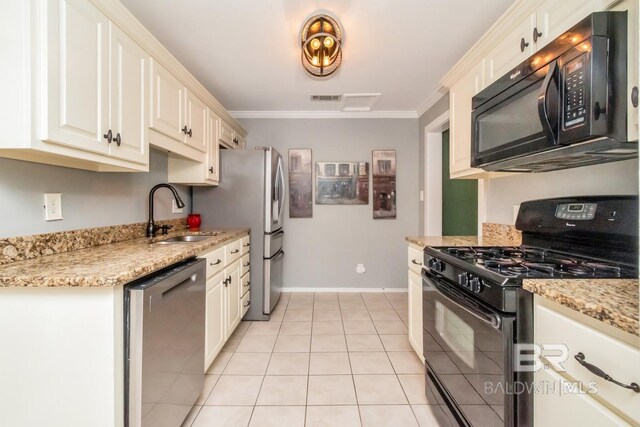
x=564 y=107
x=475 y=311
x=164 y=345
x=251 y=193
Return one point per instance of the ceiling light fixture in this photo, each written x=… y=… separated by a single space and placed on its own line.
x=321 y=43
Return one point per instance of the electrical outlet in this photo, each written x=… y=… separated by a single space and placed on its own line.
x=52 y=206
x=174 y=207
x=360 y=269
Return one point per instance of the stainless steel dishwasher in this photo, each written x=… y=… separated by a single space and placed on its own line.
x=164 y=345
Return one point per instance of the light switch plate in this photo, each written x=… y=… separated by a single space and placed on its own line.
x=52 y=206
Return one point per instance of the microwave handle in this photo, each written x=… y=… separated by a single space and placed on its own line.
x=543 y=109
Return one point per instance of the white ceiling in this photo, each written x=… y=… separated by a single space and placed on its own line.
x=246 y=52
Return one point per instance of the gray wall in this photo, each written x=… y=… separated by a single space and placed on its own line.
x=502 y=194
x=430 y=115
x=323 y=251
x=89 y=199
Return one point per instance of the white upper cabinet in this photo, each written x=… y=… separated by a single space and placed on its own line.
x=515 y=47
x=129 y=125
x=225 y=134
x=77 y=86
x=212 y=172
x=167 y=103
x=178 y=114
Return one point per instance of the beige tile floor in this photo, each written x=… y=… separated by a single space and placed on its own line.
x=323 y=359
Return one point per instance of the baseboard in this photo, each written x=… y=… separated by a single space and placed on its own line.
x=297 y=289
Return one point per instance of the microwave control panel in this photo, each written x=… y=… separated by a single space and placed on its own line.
x=576 y=211
x=574 y=92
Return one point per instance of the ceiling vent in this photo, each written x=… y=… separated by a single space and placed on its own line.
x=359 y=101
x=326 y=98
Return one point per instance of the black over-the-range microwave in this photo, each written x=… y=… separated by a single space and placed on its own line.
x=564 y=107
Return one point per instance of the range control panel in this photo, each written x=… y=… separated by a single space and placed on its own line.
x=576 y=211
x=574 y=92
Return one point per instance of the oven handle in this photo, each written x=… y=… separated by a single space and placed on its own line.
x=543 y=111
x=487 y=317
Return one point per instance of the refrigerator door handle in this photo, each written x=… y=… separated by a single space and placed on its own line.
x=281 y=191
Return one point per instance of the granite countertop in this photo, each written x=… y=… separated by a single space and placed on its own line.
x=110 y=264
x=612 y=301
x=424 y=241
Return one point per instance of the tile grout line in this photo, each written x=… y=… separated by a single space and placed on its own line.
x=353 y=380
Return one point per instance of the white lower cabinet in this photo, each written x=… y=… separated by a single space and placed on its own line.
x=215 y=330
x=232 y=297
x=415 y=257
x=227 y=296
x=568 y=394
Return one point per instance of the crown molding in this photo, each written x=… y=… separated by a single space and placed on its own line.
x=430 y=102
x=324 y=114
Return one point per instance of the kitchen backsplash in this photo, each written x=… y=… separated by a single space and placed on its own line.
x=27 y=247
x=504 y=232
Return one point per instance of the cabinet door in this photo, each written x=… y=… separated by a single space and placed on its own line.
x=77 y=86
x=167 y=103
x=214 y=329
x=554 y=18
x=213 y=149
x=460 y=96
x=239 y=141
x=508 y=53
x=415 y=313
x=232 y=297
x=559 y=402
x=129 y=64
x=225 y=134
x=197 y=114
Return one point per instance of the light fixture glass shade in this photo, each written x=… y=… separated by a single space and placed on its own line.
x=321 y=43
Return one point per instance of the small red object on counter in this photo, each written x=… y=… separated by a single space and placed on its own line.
x=194 y=221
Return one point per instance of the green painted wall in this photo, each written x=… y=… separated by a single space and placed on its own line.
x=459 y=200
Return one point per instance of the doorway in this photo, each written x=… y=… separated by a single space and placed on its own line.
x=459 y=200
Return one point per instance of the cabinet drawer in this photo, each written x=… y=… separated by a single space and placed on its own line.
x=616 y=358
x=246 y=245
x=232 y=251
x=559 y=403
x=415 y=259
x=246 y=283
x=244 y=266
x=246 y=301
x=215 y=261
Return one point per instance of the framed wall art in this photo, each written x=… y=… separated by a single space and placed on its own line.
x=300 y=183
x=342 y=183
x=384 y=184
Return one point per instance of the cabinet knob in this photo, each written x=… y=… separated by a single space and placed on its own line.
x=235 y=141
x=229 y=279
x=211 y=169
x=108 y=136
x=536 y=35
x=523 y=45
x=225 y=282
x=117 y=139
x=186 y=131
x=189 y=133
x=634 y=97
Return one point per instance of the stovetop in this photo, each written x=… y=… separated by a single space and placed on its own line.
x=532 y=262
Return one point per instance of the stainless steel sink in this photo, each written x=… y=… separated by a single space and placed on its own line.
x=182 y=239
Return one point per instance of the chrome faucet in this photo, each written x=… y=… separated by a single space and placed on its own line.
x=151 y=228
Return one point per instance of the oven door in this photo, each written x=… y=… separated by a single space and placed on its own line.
x=522 y=119
x=468 y=353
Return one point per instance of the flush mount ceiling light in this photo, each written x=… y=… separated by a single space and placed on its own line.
x=321 y=43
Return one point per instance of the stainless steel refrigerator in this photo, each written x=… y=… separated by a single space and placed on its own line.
x=251 y=193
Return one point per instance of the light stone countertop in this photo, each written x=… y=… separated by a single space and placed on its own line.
x=424 y=241
x=612 y=301
x=110 y=264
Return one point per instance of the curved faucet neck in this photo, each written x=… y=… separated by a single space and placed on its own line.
x=151 y=229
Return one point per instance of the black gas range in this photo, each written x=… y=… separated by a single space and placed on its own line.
x=475 y=311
